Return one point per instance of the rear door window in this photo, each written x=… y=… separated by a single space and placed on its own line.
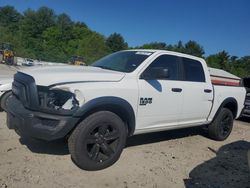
x=192 y=70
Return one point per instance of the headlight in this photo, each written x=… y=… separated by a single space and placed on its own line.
x=59 y=98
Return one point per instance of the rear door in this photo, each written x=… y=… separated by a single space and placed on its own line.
x=197 y=92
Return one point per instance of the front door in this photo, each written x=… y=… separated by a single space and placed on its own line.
x=160 y=98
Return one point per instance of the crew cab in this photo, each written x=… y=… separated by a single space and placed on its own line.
x=126 y=93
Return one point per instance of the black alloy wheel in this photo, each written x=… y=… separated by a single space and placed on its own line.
x=225 y=125
x=222 y=125
x=97 y=141
x=102 y=142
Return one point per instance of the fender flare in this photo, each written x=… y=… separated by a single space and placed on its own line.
x=224 y=103
x=116 y=105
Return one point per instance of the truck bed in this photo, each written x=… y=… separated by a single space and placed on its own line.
x=221 y=77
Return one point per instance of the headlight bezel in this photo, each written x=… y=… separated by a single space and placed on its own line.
x=51 y=100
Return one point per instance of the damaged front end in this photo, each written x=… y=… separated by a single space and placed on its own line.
x=57 y=100
x=42 y=112
x=53 y=100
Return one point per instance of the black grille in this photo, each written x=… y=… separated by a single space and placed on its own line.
x=24 y=88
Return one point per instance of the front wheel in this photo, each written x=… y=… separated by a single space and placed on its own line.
x=222 y=125
x=97 y=142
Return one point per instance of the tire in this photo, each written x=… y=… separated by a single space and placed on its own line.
x=3 y=99
x=97 y=142
x=222 y=125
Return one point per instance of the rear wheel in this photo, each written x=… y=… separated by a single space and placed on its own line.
x=98 y=141
x=222 y=125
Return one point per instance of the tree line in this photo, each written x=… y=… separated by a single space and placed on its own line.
x=42 y=34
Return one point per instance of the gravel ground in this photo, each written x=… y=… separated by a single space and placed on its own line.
x=7 y=71
x=180 y=158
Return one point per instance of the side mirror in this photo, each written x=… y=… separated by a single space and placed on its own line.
x=155 y=73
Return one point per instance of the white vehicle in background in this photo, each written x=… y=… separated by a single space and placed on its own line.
x=28 y=62
x=123 y=94
x=25 y=61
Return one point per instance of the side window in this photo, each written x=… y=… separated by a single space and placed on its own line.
x=168 y=62
x=192 y=70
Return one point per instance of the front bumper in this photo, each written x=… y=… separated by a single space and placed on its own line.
x=37 y=124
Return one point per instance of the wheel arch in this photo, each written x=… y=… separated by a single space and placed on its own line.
x=117 y=105
x=231 y=104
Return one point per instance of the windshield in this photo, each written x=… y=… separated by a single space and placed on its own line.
x=124 y=61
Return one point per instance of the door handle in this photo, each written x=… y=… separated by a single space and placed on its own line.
x=176 y=90
x=207 y=90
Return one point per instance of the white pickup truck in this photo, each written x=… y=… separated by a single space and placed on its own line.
x=126 y=93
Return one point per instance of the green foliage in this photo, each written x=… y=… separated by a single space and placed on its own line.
x=116 y=42
x=46 y=36
x=9 y=16
x=219 y=60
x=240 y=67
x=43 y=35
x=153 y=45
x=191 y=47
x=233 y=64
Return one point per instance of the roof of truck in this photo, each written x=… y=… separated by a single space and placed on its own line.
x=213 y=71
x=168 y=51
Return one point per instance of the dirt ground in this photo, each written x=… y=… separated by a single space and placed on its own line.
x=179 y=158
x=7 y=71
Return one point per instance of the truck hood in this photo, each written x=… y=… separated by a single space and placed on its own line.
x=5 y=84
x=52 y=75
